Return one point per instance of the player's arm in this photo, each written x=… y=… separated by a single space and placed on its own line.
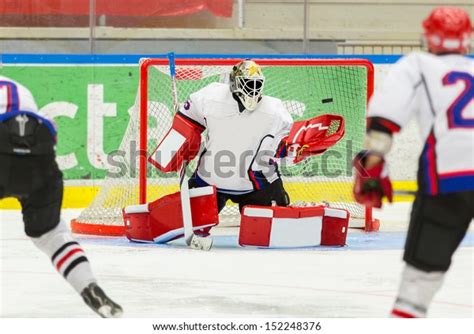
x=390 y=109
x=371 y=180
x=311 y=137
x=192 y=109
x=183 y=140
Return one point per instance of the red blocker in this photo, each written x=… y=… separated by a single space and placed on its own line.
x=181 y=142
x=162 y=220
x=289 y=227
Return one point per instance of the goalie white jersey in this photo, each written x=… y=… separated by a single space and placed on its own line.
x=239 y=145
x=439 y=90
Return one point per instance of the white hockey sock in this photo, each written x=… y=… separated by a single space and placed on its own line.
x=67 y=256
x=416 y=292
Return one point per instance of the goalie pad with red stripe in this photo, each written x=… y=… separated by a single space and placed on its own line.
x=282 y=227
x=162 y=220
x=182 y=142
x=311 y=137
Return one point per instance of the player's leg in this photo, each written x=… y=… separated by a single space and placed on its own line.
x=4 y=174
x=221 y=201
x=273 y=193
x=196 y=182
x=41 y=214
x=437 y=226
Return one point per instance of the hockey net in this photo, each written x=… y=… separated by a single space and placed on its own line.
x=308 y=87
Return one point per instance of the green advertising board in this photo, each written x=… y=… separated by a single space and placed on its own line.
x=90 y=106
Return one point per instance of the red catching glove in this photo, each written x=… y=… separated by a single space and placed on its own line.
x=313 y=136
x=372 y=184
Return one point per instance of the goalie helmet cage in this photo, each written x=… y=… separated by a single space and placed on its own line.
x=308 y=87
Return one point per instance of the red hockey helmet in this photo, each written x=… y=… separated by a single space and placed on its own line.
x=448 y=29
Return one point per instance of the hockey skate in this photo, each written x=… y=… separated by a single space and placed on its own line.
x=98 y=301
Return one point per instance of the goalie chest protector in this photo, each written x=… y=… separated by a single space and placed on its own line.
x=162 y=220
x=285 y=227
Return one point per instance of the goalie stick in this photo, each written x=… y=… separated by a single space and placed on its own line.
x=192 y=240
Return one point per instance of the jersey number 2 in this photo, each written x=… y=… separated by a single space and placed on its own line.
x=11 y=94
x=456 y=109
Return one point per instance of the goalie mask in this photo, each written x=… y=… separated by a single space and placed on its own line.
x=246 y=81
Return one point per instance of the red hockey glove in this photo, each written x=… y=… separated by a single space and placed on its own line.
x=313 y=136
x=372 y=184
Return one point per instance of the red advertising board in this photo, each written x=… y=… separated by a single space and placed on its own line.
x=116 y=7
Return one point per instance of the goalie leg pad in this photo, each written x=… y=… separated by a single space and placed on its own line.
x=289 y=227
x=162 y=220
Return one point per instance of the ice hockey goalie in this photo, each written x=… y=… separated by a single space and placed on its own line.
x=248 y=135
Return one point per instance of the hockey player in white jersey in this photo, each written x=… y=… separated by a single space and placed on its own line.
x=436 y=87
x=29 y=172
x=238 y=132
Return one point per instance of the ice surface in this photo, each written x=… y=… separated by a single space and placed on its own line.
x=359 y=280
